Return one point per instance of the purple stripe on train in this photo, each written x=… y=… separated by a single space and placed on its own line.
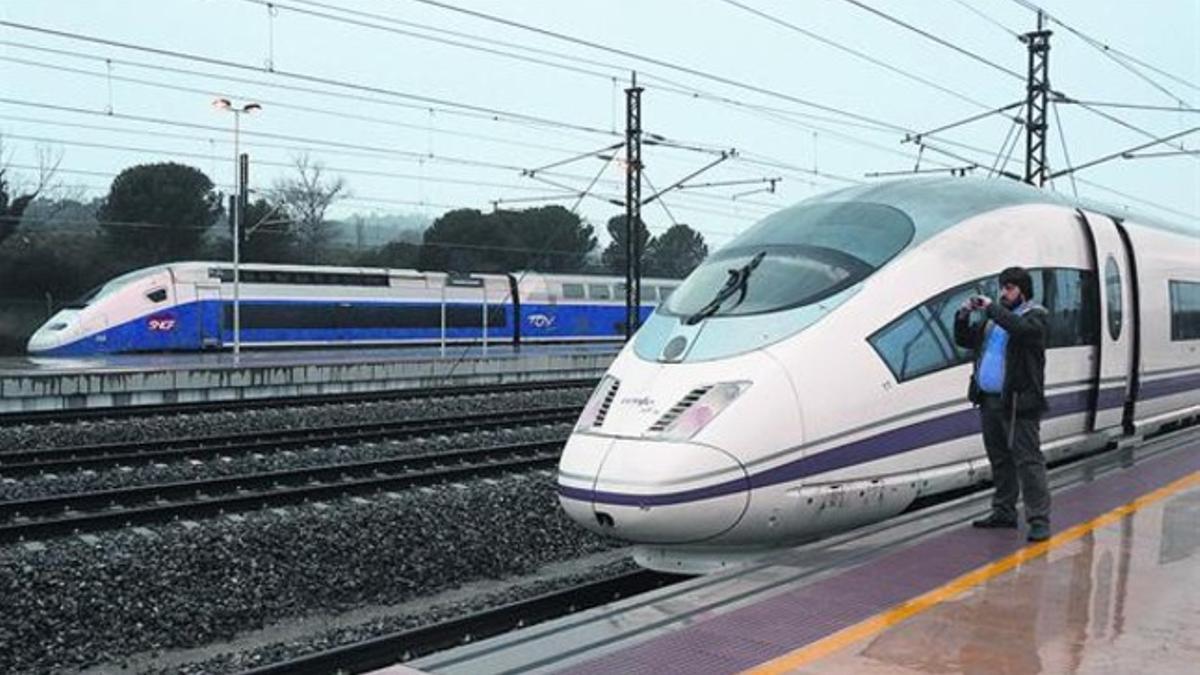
x=893 y=442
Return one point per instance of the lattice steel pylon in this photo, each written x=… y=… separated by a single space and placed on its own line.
x=633 y=207
x=1037 y=91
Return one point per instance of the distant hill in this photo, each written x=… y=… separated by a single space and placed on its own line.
x=61 y=215
x=375 y=230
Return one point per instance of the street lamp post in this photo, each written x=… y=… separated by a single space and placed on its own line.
x=238 y=111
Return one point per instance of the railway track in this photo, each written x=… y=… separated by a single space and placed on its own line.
x=128 y=412
x=402 y=646
x=111 y=455
x=45 y=517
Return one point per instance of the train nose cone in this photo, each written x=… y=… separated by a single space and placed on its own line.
x=651 y=492
x=41 y=341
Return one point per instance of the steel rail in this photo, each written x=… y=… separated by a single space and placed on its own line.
x=149 y=410
x=104 y=509
x=390 y=649
x=110 y=455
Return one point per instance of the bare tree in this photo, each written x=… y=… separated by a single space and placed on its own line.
x=304 y=198
x=17 y=192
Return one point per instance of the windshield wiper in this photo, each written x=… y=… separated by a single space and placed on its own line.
x=736 y=283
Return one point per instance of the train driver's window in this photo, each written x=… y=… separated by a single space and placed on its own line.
x=599 y=292
x=572 y=291
x=157 y=295
x=921 y=341
x=913 y=345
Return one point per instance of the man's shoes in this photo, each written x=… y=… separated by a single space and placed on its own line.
x=994 y=521
x=1039 y=530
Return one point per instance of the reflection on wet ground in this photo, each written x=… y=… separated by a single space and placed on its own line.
x=1123 y=598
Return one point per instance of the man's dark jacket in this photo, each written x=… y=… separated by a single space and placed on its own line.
x=1024 y=388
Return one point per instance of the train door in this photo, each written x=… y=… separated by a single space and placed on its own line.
x=208 y=304
x=1114 y=387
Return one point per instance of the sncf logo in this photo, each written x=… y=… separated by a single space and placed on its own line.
x=541 y=320
x=161 y=323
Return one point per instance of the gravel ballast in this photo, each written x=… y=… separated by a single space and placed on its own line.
x=50 y=485
x=55 y=435
x=385 y=621
x=91 y=599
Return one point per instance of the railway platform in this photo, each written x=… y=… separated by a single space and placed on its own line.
x=1114 y=590
x=35 y=384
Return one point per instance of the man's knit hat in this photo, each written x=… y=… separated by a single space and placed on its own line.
x=1020 y=278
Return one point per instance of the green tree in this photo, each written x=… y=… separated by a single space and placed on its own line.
x=15 y=199
x=398 y=254
x=269 y=235
x=613 y=257
x=548 y=238
x=159 y=212
x=675 y=253
x=12 y=206
x=463 y=240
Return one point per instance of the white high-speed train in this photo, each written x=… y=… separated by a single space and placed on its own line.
x=804 y=379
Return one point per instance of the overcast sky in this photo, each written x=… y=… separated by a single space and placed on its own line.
x=430 y=126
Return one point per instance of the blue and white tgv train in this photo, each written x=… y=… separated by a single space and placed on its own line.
x=187 y=306
x=804 y=379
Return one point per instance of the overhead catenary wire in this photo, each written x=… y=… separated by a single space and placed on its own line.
x=444 y=180
x=861 y=55
x=305 y=77
x=659 y=62
x=941 y=141
x=273 y=103
x=1066 y=153
x=339 y=113
x=1117 y=56
x=930 y=36
x=241 y=65
x=412 y=34
x=986 y=17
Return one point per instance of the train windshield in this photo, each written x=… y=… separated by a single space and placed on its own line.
x=793 y=258
x=110 y=287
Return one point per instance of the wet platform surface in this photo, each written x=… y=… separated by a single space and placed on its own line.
x=1116 y=589
x=1123 y=598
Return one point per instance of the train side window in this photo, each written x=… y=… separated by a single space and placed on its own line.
x=921 y=341
x=157 y=295
x=572 y=291
x=1070 y=300
x=1185 y=310
x=1112 y=290
x=599 y=292
x=664 y=292
x=913 y=345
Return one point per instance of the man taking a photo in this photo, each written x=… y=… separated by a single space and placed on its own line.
x=1008 y=385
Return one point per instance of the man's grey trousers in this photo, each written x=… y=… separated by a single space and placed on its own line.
x=1013 y=447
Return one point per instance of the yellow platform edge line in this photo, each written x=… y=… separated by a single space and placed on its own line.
x=888 y=618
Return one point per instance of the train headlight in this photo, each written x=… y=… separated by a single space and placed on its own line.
x=701 y=406
x=597 y=406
